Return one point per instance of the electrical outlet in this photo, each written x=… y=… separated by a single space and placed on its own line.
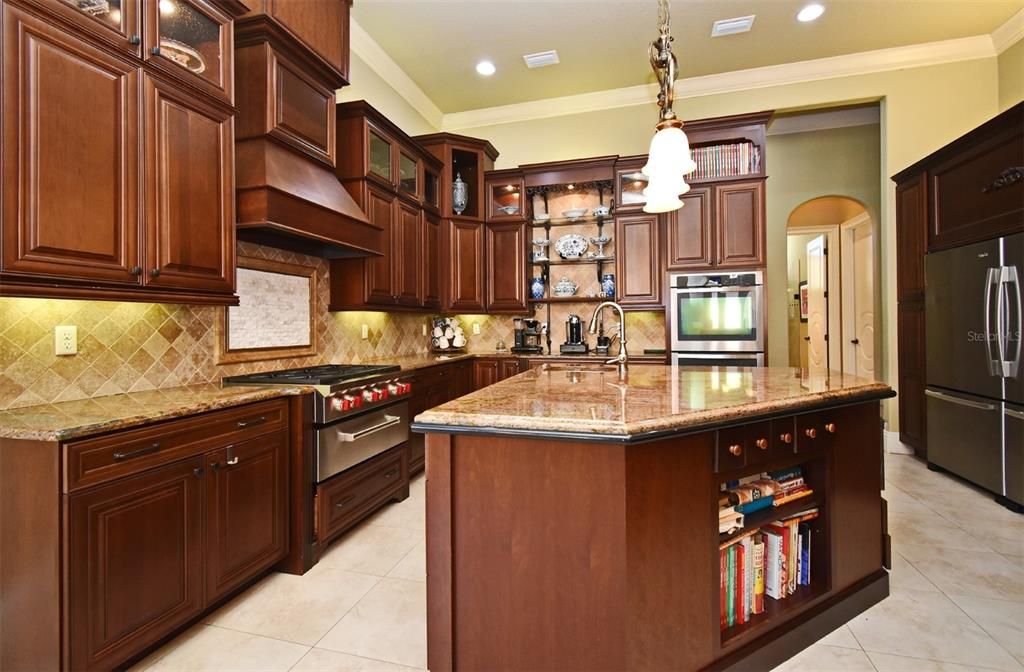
x=476 y=328
x=65 y=340
x=424 y=329
x=366 y=331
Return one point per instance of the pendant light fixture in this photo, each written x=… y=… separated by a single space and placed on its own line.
x=669 y=159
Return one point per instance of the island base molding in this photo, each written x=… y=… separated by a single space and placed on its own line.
x=602 y=556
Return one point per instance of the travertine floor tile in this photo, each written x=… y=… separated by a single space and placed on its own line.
x=371 y=549
x=414 y=565
x=899 y=501
x=822 y=658
x=1001 y=619
x=928 y=625
x=390 y=624
x=977 y=573
x=297 y=609
x=841 y=637
x=929 y=530
x=207 y=647
x=884 y=662
x=322 y=660
x=905 y=576
x=408 y=515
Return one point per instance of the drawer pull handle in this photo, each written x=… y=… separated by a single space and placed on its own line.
x=137 y=453
x=389 y=421
x=736 y=449
x=233 y=461
x=242 y=424
x=762 y=444
x=786 y=437
x=344 y=502
x=811 y=432
x=393 y=472
x=830 y=427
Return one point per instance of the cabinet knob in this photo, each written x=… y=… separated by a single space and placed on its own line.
x=762 y=444
x=136 y=270
x=786 y=437
x=736 y=449
x=155 y=51
x=134 y=39
x=811 y=432
x=393 y=472
x=197 y=472
x=154 y=272
x=830 y=427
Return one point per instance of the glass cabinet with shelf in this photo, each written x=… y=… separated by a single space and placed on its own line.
x=630 y=184
x=113 y=21
x=408 y=173
x=505 y=197
x=191 y=38
x=378 y=156
x=431 y=188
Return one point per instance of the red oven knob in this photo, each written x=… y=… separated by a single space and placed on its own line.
x=407 y=388
x=338 y=404
x=394 y=388
x=383 y=393
x=369 y=396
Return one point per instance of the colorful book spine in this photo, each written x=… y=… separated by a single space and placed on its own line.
x=755 y=505
x=773 y=549
x=791 y=496
x=741 y=616
x=723 y=566
x=759 y=575
x=730 y=588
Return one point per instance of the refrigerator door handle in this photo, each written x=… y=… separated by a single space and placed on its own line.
x=1009 y=412
x=1010 y=365
x=961 y=402
x=992 y=280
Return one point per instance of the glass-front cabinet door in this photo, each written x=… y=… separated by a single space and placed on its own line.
x=506 y=199
x=113 y=21
x=191 y=39
x=631 y=185
x=379 y=156
x=408 y=174
x=431 y=188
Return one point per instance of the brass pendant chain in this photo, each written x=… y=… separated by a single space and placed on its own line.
x=663 y=61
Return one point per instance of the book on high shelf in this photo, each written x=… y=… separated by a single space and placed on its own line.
x=748 y=577
x=785 y=474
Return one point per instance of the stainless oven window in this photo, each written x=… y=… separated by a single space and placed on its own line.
x=717 y=316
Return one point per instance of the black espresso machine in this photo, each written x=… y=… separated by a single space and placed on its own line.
x=574 y=344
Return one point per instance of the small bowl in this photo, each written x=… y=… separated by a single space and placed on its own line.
x=509 y=209
x=542 y=217
x=574 y=213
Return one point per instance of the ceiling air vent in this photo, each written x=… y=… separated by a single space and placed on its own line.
x=541 y=59
x=741 y=24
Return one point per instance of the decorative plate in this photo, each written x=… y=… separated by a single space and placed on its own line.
x=182 y=54
x=571 y=246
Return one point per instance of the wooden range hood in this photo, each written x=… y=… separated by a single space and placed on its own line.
x=288 y=64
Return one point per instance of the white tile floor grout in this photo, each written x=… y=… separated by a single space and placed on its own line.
x=956 y=603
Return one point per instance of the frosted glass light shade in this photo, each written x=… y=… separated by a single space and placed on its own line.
x=662 y=193
x=669 y=153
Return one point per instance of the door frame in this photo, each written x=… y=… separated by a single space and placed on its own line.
x=833 y=287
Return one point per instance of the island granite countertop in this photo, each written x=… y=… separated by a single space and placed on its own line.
x=574 y=402
x=74 y=419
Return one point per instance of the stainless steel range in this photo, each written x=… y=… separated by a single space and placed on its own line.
x=359 y=410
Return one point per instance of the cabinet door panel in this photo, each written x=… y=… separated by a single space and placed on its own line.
x=247 y=522
x=690 y=242
x=135 y=563
x=910 y=321
x=71 y=157
x=432 y=261
x=409 y=255
x=506 y=267
x=739 y=216
x=192 y=41
x=485 y=372
x=189 y=191
x=637 y=260
x=380 y=275
x=510 y=367
x=318 y=24
x=911 y=237
x=113 y=21
x=301 y=110
x=466 y=250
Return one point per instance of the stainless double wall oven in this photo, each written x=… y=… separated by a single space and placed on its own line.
x=717 y=319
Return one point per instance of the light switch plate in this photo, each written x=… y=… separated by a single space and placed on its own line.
x=65 y=340
x=366 y=331
x=476 y=328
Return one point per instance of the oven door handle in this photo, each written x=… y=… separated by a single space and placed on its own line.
x=389 y=421
x=719 y=290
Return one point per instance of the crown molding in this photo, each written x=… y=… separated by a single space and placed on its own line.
x=1010 y=33
x=862 y=63
x=364 y=46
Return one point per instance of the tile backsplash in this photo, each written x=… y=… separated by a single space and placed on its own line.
x=126 y=347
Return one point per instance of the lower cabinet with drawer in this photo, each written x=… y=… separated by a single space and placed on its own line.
x=159 y=524
x=344 y=500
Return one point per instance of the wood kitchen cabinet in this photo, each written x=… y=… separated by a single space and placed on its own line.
x=136 y=570
x=409 y=255
x=690 y=231
x=466 y=258
x=118 y=166
x=431 y=265
x=490 y=370
x=506 y=267
x=719 y=226
x=638 y=262
x=247 y=521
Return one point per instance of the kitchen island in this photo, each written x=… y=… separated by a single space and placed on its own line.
x=572 y=516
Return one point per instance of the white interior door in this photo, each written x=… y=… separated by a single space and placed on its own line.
x=863 y=331
x=817 y=306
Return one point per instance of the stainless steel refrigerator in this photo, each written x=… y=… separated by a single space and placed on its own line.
x=975 y=378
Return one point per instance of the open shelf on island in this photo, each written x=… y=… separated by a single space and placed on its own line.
x=765 y=516
x=774 y=611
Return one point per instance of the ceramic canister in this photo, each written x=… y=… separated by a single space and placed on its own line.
x=537 y=288
x=608 y=285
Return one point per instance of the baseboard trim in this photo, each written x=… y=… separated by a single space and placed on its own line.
x=893 y=445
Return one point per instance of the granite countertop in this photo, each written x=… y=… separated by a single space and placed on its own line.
x=588 y=402
x=427 y=359
x=74 y=419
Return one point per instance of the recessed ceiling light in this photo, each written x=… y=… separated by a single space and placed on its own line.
x=741 y=24
x=541 y=59
x=810 y=12
x=485 y=68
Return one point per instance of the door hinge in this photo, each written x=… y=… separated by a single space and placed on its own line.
x=825 y=295
x=826 y=338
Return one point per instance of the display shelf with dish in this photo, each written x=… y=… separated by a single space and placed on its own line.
x=571 y=262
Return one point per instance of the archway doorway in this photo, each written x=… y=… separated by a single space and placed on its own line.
x=832 y=280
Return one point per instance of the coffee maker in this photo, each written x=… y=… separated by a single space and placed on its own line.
x=528 y=336
x=574 y=342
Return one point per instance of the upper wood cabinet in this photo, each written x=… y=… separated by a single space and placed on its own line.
x=380 y=271
x=118 y=166
x=739 y=224
x=191 y=41
x=431 y=265
x=506 y=267
x=189 y=191
x=690 y=231
x=137 y=570
x=505 y=198
x=70 y=186
x=911 y=236
x=408 y=253
x=466 y=254
x=638 y=261
x=317 y=24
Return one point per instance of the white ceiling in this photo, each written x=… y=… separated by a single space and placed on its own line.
x=603 y=43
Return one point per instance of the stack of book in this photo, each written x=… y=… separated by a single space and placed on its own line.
x=791 y=485
x=729 y=519
x=754 y=493
x=772 y=560
x=712 y=161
